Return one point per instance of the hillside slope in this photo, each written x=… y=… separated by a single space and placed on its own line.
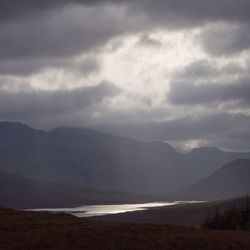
x=206 y=160
x=40 y=230
x=231 y=180
x=20 y=192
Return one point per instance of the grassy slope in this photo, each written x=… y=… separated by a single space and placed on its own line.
x=184 y=214
x=20 y=192
x=40 y=230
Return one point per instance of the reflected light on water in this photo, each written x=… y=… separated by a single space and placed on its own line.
x=98 y=210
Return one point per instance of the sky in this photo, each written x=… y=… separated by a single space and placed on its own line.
x=171 y=70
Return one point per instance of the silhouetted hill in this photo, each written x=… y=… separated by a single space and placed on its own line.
x=41 y=230
x=20 y=192
x=205 y=160
x=87 y=158
x=231 y=180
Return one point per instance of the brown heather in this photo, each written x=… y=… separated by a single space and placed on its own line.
x=42 y=230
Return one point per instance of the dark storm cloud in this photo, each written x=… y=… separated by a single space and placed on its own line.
x=203 y=69
x=65 y=32
x=32 y=44
x=187 y=93
x=11 y=9
x=193 y=10
x=226 y=40
x=205 y=126
x=36 y=35
x=222 y=129
x=29 y=66
x=33 y=106
x=197 y=69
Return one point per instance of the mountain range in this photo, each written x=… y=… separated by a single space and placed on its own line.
x=87 y=158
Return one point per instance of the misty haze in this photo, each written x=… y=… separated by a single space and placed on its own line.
x=124 y=124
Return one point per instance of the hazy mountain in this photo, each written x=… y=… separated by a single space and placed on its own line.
x=205 y=160
x=231 y=180
x=20 y=192
x=87 y=158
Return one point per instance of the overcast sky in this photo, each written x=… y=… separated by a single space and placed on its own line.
x=171 y=70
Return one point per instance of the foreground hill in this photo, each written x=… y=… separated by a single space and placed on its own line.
x=40 y=230
x=231 y=180
x=20 y=192
x=182 y=214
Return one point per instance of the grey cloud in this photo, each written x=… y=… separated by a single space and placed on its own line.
x=70 y=32
x=234 y=69
x=197 y=69
x=187 y=93
x=226 y=39
x=203 y=69
x=36 y=35
x=146 y=40
x=11 y=9
x=56 y=40
x=29 y=66
x=221 y=129
x=186 y=14
x=193 y=10
x=53 y=105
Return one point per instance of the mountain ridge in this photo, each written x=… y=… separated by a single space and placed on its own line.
x=232 y=179
x=88 y=158
x=85 y=157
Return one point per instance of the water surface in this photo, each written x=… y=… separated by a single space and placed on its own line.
x=98 y=210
